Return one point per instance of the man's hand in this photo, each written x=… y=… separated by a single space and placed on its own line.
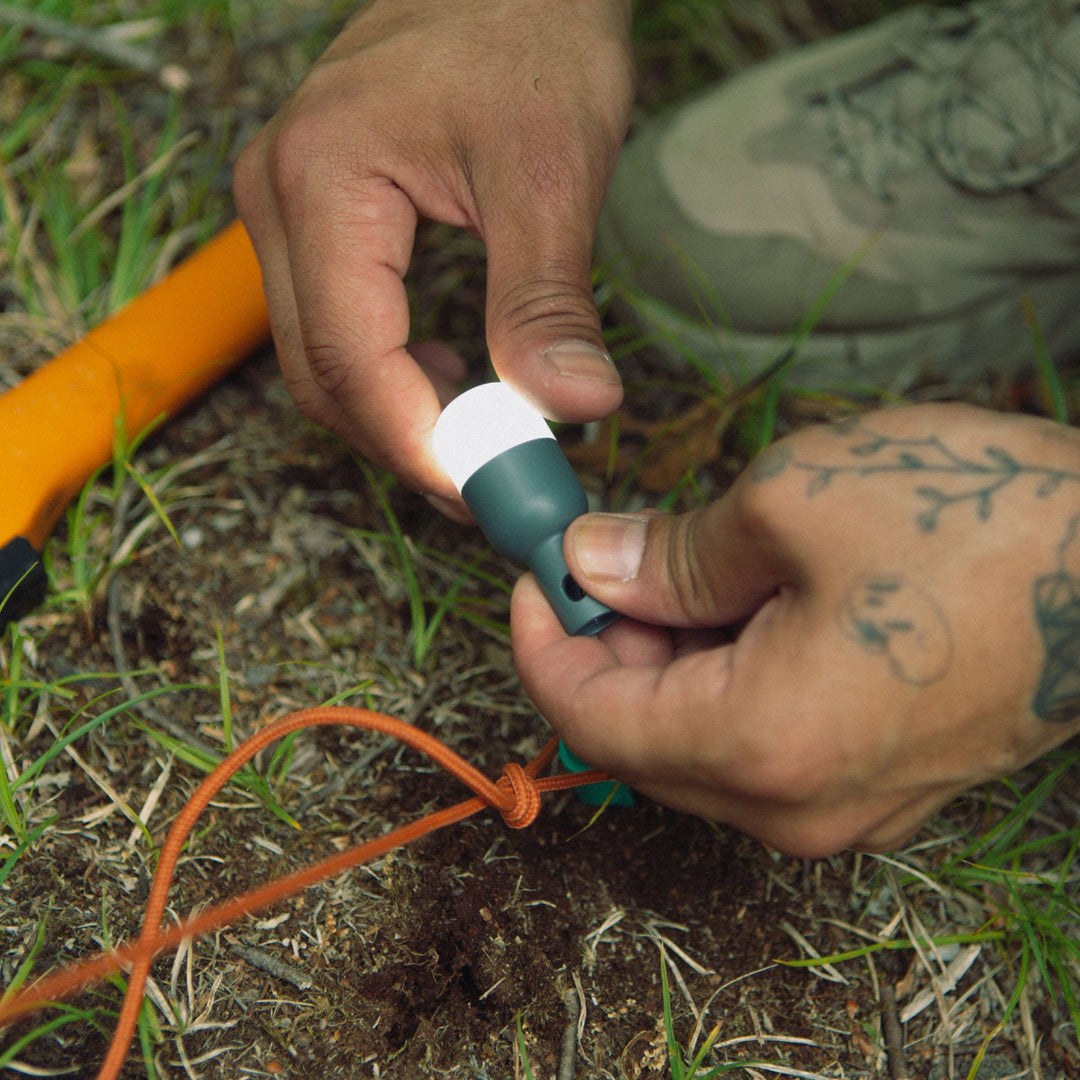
x=504 y=117
x=875 y=618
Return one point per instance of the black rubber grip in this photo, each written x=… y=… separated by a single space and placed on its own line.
x=22 y=579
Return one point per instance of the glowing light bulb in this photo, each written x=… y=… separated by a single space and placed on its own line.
x=514 y=477
x=482 y=423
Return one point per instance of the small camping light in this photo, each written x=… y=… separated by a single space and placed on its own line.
x=514 y=477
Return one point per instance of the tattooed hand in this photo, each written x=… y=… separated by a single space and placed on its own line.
x=876 y=617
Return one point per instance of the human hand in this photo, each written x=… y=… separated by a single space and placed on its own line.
x=504 y=117
x=876 y=617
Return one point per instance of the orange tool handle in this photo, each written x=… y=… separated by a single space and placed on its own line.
x=146 y=361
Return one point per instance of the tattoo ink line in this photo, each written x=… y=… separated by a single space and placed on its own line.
x=1057 y=614
x=890 y=617
x=974 y=480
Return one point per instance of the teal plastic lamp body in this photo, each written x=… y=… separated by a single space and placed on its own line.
x=516 y=480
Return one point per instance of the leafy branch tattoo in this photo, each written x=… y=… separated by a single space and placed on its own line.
x=952 y=479
x=1057 y=613
x=890 y=617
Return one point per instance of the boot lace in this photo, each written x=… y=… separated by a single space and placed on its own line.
x=989 y=96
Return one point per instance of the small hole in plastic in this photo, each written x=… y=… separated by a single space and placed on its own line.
x=574 y=592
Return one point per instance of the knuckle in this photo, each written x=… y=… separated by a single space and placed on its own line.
x=548 y=164
x=684 y=572
x=558 y=299
x=247 y=176
x=562 y=153
x=305 y=149
x=790 y=777
x=565 y=166
x=764 y=506
x=311 y=402
x=687 y=569
x=291 y=161
x=327 y=367
x=786 y=763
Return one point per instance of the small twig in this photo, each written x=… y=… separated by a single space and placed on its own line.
x=942 y=983
x=920 y=937
x=99 y=778
x=150 y=805
x=824 y=971
x=894 y=1036
x=652 y=928
x=677 y=975
x=583 y=1007
x=278 y=968
x=568 y=1054
x=101 y=41
x=1027 y=1025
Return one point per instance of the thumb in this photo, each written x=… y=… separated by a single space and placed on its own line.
x=708 y=568
x=543 y=328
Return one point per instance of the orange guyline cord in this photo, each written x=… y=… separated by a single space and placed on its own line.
x=516 y=796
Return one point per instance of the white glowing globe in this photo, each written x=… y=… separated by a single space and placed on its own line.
x=481 y=424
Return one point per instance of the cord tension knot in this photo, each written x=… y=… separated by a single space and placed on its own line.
x=522 y=804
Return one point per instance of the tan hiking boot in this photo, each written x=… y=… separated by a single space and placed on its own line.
x=922 y=175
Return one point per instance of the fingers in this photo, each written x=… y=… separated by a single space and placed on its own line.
x=410 y=113
x=635 y=694
x=691 y=733
x=703 y=731
x=621 y=700
x=539 y=202
x=712 y=567
x=333 y=258
x=716 y=731
x=542 y=325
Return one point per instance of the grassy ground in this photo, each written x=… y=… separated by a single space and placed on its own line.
x=245 y=564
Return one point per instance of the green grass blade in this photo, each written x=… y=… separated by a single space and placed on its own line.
x=70 y=1016
x=152 y=499
x=1049 y=378
x=937 y=941
x=406 y=563
x=674 y=1053
x=522 y=1051
x=23 y=847
x=30 y=773
x=22 y=973
x=149 y=1033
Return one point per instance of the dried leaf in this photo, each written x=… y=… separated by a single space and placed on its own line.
x=658 y=453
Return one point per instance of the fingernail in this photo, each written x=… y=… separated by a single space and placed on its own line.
x=580 y=360
x=609 y=547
